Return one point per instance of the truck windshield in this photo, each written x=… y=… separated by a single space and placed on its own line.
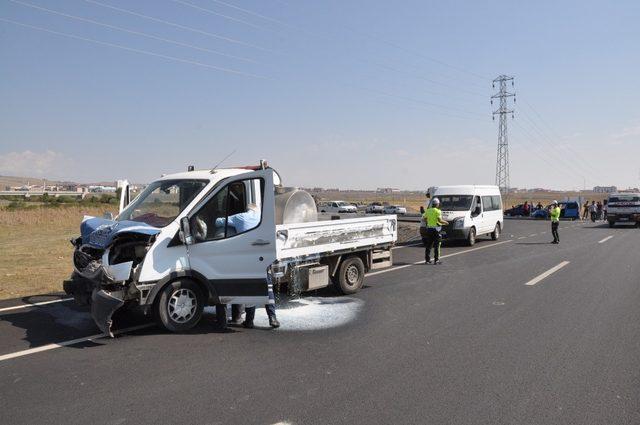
x=455 y=202
x=161 y=202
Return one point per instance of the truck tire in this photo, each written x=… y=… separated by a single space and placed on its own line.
x=180 y=305
x=471 y=239
x=496 y=232
x=350 y=277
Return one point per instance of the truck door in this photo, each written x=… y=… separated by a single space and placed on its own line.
x=234 y=237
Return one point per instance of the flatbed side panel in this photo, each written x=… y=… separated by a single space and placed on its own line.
x=321 y=237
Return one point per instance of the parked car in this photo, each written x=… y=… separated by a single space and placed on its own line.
x=541 y=214
x=518 y=210
x=338 y=207
x=570 y=210
x=374 y=208
x=395 y=209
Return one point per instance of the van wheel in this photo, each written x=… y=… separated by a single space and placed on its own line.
x=350 y=277
x=180 y=306
x=612 y=223
x=471 y=239
x=496 y=232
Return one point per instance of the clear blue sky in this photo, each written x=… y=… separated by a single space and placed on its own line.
x=354 y=94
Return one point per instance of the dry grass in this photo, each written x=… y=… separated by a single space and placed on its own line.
x=35 y=253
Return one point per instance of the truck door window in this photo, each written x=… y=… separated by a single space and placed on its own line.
x=476 y=208
x=235 y=209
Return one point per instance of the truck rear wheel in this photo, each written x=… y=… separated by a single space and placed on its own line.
x=350 y=277
x=180 y=306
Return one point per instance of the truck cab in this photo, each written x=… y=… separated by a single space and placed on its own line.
x=623 y=208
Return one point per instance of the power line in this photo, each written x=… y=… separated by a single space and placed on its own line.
x=555 y=134
x=182 y=27
x=322 y=36
x=554 y=147
x=213 y=12
x=129 y=31
x=131 y=49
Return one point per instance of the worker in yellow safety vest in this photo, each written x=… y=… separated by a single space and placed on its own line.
x=431 y=237
x=555 y=221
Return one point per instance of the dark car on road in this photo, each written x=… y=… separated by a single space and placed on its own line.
x=518 y=210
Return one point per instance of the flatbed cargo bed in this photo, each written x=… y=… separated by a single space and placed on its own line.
x=301 y=240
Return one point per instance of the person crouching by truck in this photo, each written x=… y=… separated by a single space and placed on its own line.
x=430 y=233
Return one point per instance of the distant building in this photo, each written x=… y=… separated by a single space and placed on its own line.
x=387 y=190
x=605 y=189
x=102 y=189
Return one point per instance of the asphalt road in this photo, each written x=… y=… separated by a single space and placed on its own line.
x=510 y=332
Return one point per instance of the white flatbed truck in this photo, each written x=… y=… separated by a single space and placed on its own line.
x=218 y=237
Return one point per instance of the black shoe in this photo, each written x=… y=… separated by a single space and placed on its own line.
x=248 y=325
x=273 y=322
x=437 y=262
x=427 y=261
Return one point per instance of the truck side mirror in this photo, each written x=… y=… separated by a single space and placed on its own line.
x=185 y=231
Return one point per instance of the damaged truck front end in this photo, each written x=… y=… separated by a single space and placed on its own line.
x=107 y=260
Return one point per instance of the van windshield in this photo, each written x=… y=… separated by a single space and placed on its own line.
x=455 y=202
x=162 y=201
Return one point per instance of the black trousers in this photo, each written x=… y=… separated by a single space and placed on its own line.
x=221 y=313
x=554 y=230
x=251 y=312
x=431 y=238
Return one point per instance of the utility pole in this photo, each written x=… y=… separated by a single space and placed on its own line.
x=502 y=161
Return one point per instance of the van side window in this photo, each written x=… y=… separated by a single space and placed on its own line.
x=487 y=203
x=234 y=209
x=497 y=204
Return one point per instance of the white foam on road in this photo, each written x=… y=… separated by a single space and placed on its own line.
x=546 y=274
x=310 y=313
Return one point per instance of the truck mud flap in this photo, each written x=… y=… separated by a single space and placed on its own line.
x=103 y=305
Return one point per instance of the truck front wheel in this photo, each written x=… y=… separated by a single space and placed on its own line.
x=350 y=276
x=180 y=306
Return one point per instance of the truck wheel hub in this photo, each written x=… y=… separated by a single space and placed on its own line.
x=352 y=275
x=182 y=305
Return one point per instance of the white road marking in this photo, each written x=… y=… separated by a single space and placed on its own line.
x=543 y=233
x=547 y=273
x=70 y=342
x=605 y=239
x=17 y=307
x=522 y=237
x=535 y=234
x=444 y=256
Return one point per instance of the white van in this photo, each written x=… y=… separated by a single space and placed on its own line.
x=470 y=210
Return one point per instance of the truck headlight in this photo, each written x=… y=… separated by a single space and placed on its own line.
x=458 y=224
